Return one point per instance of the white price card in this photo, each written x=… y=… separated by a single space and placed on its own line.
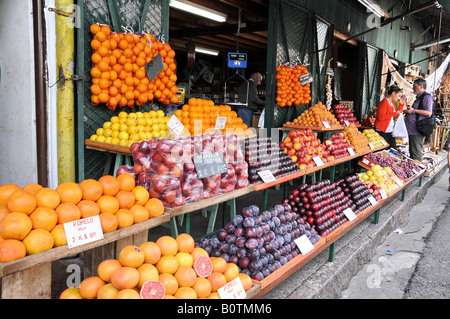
x=351 y=151
x=347 y=123
x=175 y=125
x=318 y=161
x=83 y=231
x=366 y=161
x=372 y=200
x=220 y=122
x=349 y=214
x=384 y=142
x=414 y=171
x=383 y=193
x=326 y=124
x=371 y=146
x=304 y=244
x=232 y=290
x=266 y=176
x=399 y=182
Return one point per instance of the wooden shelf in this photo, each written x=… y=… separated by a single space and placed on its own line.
x=107 y=147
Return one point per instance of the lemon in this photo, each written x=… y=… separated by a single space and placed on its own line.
x=107 y=132
x=122 y=120
x=160 y=113
x=148 y=135
x=93 y=137
x=101 y=138
x=153 y=114
x=123 y=142
x=123 y=127
x=141 y=121
x=142 y=136
x=132 y=129
x=123 y=114
x=129 y=143
x=140 y=128
x=147 y=115
x=132 y=116
x=108 y=140
x=369 y=173
x=156 y=134
x=115 y=133
x=134 y=137
x=114 y=119
x=115 y=140
x=156 y=128
x=149 y=121
x=139 y=115
x=123 y=135
x=131 y=121
x=99 y=131
x=115 y=126
x=148 y=128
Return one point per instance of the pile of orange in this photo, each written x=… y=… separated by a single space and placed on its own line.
x=290 y=91
x=315 y=116
x=118 y=71
x=356 y=138
x=167 y=260
x=32 y=218
x=199 y=115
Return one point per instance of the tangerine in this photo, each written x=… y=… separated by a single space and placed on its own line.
x=59 y=235
x=152 y=252
x=246 y=281
x=11 y=249
x=126 y=199
x=32 y=188
x=219 y=264
x=108 y=204
x=22 y=202
x=126 y=182
x=140 y=214
x=231 y=272
x=125 y=218
x=141 y=195
x=6 y=191
x=15 y=226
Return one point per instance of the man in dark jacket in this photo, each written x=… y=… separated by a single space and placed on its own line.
x=252 y=100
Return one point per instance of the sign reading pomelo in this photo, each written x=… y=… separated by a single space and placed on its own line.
x=83 y=231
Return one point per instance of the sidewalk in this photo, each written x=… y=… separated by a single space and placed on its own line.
x=374 y=260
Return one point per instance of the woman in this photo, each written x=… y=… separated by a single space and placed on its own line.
x=387 y=111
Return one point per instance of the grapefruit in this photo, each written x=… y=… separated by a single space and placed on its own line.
x=152 y=289
x=203 y=266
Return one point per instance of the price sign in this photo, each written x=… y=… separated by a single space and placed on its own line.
x=384 y=142
x=349 y=214
x=399 y=182
x=232 y=290
x=318 y=161
x=366 y=161
x=326 y=124
x=304 y=244
x=83 y=231
x=371 y=146
x=266 y=176
x=414 y=171
x=347 y=123
x=154 y=67
x=383 y=193
x=306 y=78
x=351 y=151
x=209 y=164
x=372 y=200
x=175 y=125
x=220 y=122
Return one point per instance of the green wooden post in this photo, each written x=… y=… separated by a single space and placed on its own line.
x=332 y=173
x=331 y=253
x=188 y=223
x=403 y=195
x=115 y=17
x=376 y=216
x=144 y=15
x=265 y=199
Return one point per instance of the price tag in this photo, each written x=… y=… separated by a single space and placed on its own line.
x=372 y=200
x=347 y=123
x=175 y=125
x=371 y=146
x=266 y=176
x=351 y=151
x=349 y=214
x=383 y=193
x=209 y=164
x=318 y=161
x=83 y=231
x=232 y=290
x=220 y=122
x=326 y=124
x=414 y=171
x=365 y=161
x=399 y=182
x=384 y=142
x=304 y=244
x=305 y=79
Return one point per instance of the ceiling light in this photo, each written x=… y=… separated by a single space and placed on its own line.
x=373 y=7
x=206 y=51
x=198 y=10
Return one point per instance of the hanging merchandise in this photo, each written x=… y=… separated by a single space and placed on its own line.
x=292 y=89
x=122 y=64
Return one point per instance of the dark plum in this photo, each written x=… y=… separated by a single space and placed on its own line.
x=232 y=249
x=258 y=276
x=229 y=227
x=234 y=259
x=225 y=256
x=230 y=239
x=265 y=272
x=250 y=232
x=241 y=252
x=247 y=212
x=240 y=241
x=255 y=209
x=239 y=231
x=244 y=262
x=255 y=265
x=253 y=253
x=237 y=220
x=248 y=222
x=251 y=243
x=222 y=234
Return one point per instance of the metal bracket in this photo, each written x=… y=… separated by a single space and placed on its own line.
x=62 y=79
x=60 y=12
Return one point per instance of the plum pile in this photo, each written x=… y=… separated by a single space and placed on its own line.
x=344 y=114
x=403 y=169
x=263 y=154
x=260 y=242
x=355 y=189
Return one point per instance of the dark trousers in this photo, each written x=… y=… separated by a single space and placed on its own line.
x=246 y=115
x=388 y=138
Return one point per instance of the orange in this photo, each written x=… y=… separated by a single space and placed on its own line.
x=71 y=293
x=90 y=286
x=88 y=208
x=11 y=249
x=185 y=243
x=22 y=202
x=141 y=195
x=108 y=204
x=107 y=267
x=231 y=272
x=184 y=259
x=167 y=264
x=147 y=272
x=126 y=182
x=128 y=294
x=185 y=276
x=202 y=287
x=198 y=251
x=185 y=293
x=126 y=199
x=169 y=282
x=140 y=214
x=15 y=226
x=109 y=184
x=125 y=278
x=47 y=197
x=152 y=252
x=67 y=212
x=216 y=280
x=32 y=188
x=107 y=291
x=155 y=207
x=38 y=240
x=92 y=189
x=246 y=281
x=219 y=264
x=69 y=192
x=109 y=222
x=125 y=218
x=44 y=218
x=59 y=235
x=168 y=245
x=131 y=256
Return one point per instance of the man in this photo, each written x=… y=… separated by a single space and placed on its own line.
x=424 y=99
x=253 y=102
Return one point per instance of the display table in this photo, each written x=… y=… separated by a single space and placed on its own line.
x=122 y=154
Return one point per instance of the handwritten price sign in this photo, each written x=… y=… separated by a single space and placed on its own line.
x=83 y=231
